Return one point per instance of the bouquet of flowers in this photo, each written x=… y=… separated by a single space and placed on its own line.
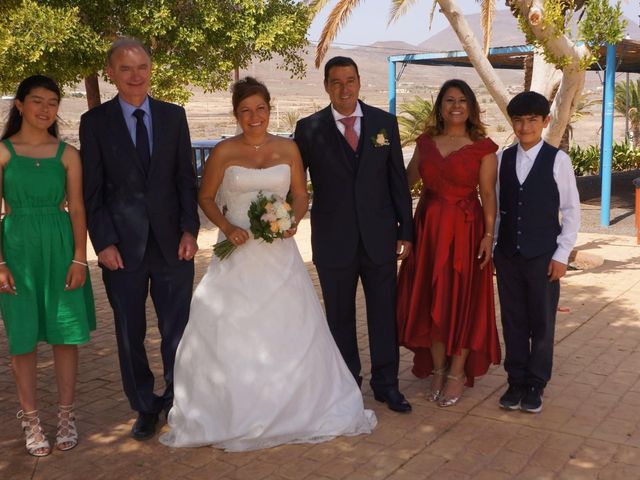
x=270 y=217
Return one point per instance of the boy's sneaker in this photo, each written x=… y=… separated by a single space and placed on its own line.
x=510 y=400
x=532 y=400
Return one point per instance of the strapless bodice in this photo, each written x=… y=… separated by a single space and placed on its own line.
x=240 y=186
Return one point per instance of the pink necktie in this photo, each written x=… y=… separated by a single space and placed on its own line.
x=349 y=132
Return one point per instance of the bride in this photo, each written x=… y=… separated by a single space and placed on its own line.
x=257 y=365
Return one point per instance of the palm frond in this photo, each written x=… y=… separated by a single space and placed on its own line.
x=413 y=118
x=398 y=9
x=633 y=104
x=316 y=5
x=487 y=14
x=432 y=12
x=337 y=18
x=583 y=107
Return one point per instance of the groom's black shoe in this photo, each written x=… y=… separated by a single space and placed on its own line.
x=394 y=400
x=144 y=426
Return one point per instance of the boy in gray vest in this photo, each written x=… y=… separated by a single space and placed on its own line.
x=538 y=222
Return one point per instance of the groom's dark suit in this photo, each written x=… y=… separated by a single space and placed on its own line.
x=361 y=207
x=144 y=214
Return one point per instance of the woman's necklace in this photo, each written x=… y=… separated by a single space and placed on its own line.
x=257 y=147
x=455 y=137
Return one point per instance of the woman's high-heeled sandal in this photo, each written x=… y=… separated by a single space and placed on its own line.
x=448 y=400
x=35 y=439
x=67 y=435
x=434 y=393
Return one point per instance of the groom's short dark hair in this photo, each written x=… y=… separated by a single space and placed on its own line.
x=339 y=62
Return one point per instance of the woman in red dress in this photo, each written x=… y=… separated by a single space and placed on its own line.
x=445 y=310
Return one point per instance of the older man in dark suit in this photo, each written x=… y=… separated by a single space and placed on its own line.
x=141 y=201
x=360 y=221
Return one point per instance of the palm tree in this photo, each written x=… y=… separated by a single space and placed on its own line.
x=630 y=107
x=583 y=109
x=412 y=119
x=342 y=10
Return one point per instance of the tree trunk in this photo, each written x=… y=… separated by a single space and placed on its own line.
x=527 y=66
x=564 y=105
x=92 y=88
x=573 y=77
x=470 y=44
x=545 y=77
x=565 y=143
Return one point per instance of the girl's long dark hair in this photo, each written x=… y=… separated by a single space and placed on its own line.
x=14 y=122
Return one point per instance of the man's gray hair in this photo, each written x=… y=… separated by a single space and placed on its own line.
x=126 y=43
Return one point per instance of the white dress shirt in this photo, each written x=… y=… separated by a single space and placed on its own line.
x=356 y=113
x=569 y=197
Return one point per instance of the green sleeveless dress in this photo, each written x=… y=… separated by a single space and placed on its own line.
x=37 y=243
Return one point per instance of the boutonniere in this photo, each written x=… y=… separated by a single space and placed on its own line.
x=380 y=139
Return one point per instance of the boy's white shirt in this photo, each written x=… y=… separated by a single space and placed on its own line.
x=569 y=198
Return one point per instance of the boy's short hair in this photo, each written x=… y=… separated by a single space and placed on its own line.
x=528 y=103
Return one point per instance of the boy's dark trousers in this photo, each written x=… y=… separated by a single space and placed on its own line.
x=528 y=305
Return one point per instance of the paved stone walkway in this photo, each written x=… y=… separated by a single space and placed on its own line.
x=589 y=428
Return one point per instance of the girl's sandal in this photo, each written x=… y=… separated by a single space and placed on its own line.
x=67 y=435
x=35 y=439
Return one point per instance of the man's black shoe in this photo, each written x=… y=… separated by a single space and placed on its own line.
x=144 y=426
x=532 y=400
x=394 y=400
x=510 y=400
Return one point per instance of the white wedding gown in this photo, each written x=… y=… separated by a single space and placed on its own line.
x=257 y=365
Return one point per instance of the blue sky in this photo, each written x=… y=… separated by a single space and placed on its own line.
x=368 y=22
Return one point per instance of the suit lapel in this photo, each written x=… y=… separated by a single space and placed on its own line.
x=156 y=118
x=367 y=128
x=123 y=146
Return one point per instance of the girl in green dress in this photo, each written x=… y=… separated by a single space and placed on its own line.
x=45 y=292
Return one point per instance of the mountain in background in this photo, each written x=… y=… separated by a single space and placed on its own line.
x=414 y=80
x=505 y=33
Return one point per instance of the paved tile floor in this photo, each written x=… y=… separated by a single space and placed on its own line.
x=589 y=428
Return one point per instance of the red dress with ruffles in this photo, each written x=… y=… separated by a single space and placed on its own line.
x=443 y=295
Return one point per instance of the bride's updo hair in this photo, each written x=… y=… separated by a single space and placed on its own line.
x=245 y=88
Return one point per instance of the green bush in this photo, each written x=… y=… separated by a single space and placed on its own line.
x=625 y=156
x=586 y=161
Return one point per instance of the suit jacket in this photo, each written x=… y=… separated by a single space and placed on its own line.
x=366 y=200
x=123 y=203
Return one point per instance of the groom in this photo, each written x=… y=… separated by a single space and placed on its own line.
x=361 y=221
x=140 y=195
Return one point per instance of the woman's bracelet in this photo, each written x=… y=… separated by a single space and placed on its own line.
x=490 y=235
x=84 y=264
